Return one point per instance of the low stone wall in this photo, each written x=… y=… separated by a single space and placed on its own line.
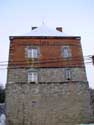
x=48 y=104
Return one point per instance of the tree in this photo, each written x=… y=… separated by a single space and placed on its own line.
x=2 y=94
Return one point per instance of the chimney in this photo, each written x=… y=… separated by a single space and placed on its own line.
x=93 y=60
x=59 y=29
x=34 y=27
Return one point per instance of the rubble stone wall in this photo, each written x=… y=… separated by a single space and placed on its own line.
x=47 y=75
x=48 y=104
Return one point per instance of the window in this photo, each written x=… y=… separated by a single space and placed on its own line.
x=66 y=52
x=32 y=76
x=32 y=52
x=68 y=74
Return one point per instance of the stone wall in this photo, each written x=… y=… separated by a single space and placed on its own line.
x=48 y=104
x=47 y=75
x=92 y=98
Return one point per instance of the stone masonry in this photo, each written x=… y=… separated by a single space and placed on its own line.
x=47 y=74
x=48 y=104
x=53 y=101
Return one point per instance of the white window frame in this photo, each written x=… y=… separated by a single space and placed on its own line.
x=68 y=74
x=32 y=76
x=66 y=52
x=32 y=52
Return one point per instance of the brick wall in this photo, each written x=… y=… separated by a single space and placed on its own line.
x=50 y=52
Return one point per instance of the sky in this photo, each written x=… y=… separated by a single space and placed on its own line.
x=75 y=16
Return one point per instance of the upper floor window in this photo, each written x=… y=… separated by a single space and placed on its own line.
x=32 y=52
x=66 y=51
x=68 y=74
x=32 y=76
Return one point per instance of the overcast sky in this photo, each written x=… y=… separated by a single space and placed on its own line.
x=75 y=16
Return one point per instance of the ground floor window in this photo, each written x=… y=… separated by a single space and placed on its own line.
x=32 y=76
x=68 y=74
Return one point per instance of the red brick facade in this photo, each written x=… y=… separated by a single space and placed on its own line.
x=50 y=51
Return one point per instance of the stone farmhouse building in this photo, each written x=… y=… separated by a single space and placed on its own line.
x=46 y=79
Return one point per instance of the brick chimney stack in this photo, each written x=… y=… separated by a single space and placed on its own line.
x=93 y=60
x=34 y=27
x=59 y=29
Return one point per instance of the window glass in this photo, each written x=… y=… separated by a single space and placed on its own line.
x=32 y=52
x=68 y=74
x=66 y=52
x=32 y=76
